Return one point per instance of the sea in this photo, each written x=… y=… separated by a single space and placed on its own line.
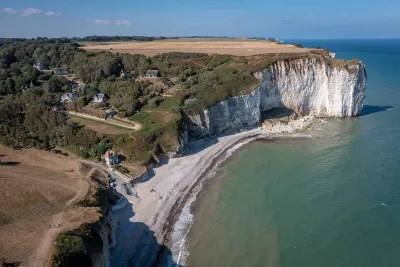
x=327 y=198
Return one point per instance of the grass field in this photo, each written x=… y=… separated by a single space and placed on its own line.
x=153 y=119
x=237 y=47
x=101 y=127
x=37 y=192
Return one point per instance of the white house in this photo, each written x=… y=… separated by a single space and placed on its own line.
x=111 y=158
x=67 y=97
x=40 y=66
x=99 y=98
x=152 y=74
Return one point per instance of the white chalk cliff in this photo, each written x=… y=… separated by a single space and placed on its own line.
x=308 y=86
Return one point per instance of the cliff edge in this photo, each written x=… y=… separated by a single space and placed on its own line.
x=319 y=86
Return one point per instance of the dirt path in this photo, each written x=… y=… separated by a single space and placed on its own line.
x=135 y=125
x=63 y=221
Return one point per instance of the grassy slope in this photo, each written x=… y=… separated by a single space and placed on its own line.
x=159 y=133
x=227 y=76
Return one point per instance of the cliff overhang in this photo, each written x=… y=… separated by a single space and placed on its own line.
x=310 y=84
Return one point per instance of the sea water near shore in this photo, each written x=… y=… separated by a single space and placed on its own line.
x=330 y=198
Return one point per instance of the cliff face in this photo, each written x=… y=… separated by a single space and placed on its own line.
x=307 y=86
x=104 y=232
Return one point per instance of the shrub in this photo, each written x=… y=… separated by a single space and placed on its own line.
x=121 y=169
x=70 y=251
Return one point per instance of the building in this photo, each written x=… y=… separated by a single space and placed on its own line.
x=99 y=98
x=61 y=71
x=40 y=66
x=67 y=97
x=111 y=158
x=152 y=74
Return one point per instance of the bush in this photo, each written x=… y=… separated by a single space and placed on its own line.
x=70 y=251
x=121 y=169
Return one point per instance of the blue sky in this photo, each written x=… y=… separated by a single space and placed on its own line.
x=241 y=18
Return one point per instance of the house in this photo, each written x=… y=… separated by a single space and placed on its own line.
x=61 y=71
x=152 y=74
x=99 y=98
x=40 y=66
x=67 y=97
x=111 y=158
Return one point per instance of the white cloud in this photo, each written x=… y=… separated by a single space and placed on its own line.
x=51 y=13
x=123 y=22
x=31 y=11
x=10 y=10
x=101 y=21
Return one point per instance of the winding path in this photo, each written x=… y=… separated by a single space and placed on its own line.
x=135 y=125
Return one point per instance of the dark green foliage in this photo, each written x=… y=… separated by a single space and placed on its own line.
x=121 y=169
x=70 y=251
x=116 y=38
x=218 y=61
x=210 y=87
x=27 y=96
x=74 y=247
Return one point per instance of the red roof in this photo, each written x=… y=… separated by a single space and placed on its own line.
x=108 y=154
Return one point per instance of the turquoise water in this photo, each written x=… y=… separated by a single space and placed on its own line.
x=331 y=199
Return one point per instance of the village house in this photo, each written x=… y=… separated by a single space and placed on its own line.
x=111 y=158
x=67 y=97
x=40 y=66
x=99 y=98
x=152 y=74
x=61 y=71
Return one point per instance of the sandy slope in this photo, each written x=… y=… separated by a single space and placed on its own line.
x=38 y=189
x=152 y=216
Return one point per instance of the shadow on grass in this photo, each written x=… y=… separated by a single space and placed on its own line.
x=368 y=109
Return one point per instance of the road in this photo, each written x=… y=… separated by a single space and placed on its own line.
x=119 y=178
x=135 y=126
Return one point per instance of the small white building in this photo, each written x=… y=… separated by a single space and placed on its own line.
x=152 y=74
x=40 y=66
x=99 y=98
x=67 y=97
x=111 y=158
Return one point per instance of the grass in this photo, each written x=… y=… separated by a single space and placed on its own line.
x=159 y=133
x=101 y=127
x=228 y=76
x=32 y=192
x=154 y=118
x=122 y=169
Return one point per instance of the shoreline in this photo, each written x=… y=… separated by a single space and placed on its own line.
x=165 y=195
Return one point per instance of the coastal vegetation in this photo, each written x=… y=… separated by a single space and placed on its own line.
x=77 y=247
x=189 y=83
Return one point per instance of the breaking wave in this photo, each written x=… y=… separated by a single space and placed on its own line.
x=183 y=225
